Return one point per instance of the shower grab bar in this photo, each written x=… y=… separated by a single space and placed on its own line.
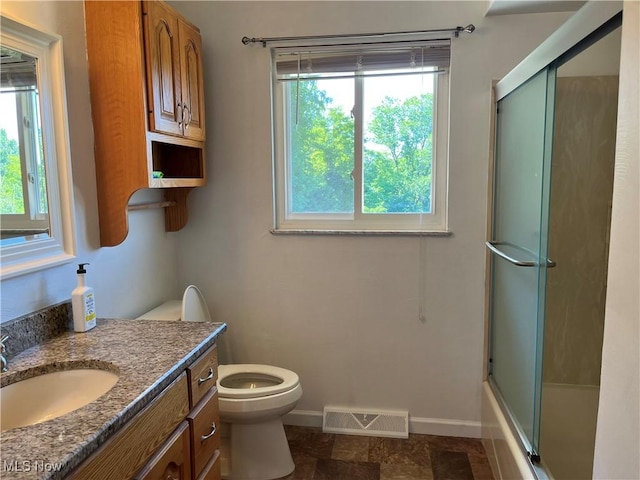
x=493 y=246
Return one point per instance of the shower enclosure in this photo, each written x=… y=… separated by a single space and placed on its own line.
x=552 y=188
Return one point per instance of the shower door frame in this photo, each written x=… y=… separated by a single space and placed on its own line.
x=593 y=21
x=524 y=417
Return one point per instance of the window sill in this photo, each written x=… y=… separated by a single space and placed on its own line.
x=364 y=233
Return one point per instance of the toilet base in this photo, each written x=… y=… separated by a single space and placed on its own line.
x=258 y=451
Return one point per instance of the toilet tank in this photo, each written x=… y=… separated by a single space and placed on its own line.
x=171 y=310
x=192 y=308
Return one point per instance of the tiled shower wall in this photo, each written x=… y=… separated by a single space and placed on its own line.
x=581 y=192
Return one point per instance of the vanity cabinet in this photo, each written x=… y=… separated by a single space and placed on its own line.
x=123 y=454
x=176 y=436
x=147 y=106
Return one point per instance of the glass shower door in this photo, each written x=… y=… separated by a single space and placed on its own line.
x=519 y=250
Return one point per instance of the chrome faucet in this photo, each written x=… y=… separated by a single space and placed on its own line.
x=3 y=350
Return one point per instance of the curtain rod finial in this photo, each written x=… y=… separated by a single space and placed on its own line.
x=247 y=41
x=468 y=29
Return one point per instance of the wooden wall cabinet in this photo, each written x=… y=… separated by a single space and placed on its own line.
x=147 y=102
x=174 y=66
x=176 y=436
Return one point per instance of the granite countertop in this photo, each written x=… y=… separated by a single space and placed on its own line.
x=147 y=354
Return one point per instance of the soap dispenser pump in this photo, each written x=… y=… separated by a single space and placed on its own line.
x=83 y=303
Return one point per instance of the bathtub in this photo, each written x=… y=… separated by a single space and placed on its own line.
x=567 y=435
x=507 y=458
x=568 y=429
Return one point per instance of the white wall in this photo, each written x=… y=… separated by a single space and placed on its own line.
x=617 y=453
x=343 y=311
x=129 y=278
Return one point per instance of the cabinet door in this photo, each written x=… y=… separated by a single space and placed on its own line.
x=172 y=461
x=163 y=69
x=191 y=81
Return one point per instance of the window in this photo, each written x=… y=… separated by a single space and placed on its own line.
x=361 y=137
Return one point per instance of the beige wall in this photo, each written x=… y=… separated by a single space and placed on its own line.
x=601 y=58
x=343 y=312
x=128 y=278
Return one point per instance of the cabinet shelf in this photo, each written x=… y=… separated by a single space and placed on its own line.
x=180 y=161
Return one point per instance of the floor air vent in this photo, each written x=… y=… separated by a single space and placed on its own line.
x=366 y=422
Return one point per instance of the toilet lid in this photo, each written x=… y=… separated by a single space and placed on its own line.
x=254 y=376
x=194 y=307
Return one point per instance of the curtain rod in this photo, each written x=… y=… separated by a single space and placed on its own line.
x=264 y=40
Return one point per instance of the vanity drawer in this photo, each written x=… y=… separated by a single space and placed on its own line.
x=173 y=459
x=202 y=375
x=212 y=470
x=205 y=432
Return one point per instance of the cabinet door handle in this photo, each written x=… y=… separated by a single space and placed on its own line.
x=202 y=380
x=186 y=110
x=210 y=434
x=180 y=114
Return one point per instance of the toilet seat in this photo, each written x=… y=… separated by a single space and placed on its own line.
x=287 y=380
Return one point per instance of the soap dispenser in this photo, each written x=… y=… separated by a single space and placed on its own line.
x=83 y=303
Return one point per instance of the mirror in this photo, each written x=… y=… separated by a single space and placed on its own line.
x=23 y=192
x=36 y=200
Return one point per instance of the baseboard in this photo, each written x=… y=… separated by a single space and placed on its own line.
x=444 y=427
x=303 y=418
x=420 y=425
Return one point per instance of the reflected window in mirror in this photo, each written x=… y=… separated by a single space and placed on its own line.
x=36 y=191
x=23 y=195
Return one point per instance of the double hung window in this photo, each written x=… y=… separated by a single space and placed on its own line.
x=361 y=137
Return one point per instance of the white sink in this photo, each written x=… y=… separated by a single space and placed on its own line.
x=51 y=395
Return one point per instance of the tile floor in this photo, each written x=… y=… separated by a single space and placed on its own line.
x=322 y=456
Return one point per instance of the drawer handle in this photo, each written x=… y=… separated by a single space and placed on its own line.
x=202 y=380
x=210 y=434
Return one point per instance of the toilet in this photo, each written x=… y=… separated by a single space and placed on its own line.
x=252 y=398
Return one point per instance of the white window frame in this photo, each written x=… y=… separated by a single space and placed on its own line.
x=59 y=246
x=434 y=223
